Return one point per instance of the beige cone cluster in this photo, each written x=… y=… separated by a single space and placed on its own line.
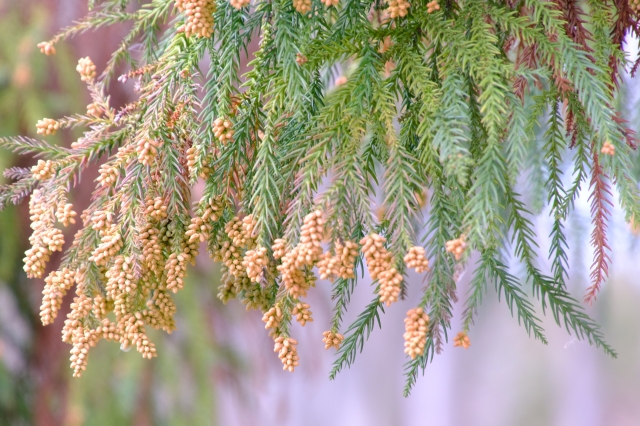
x=296 y=263
x=45 y=238
x=94 y=110
x=296 y=281
x=255 y=261
x=232 y=258
x=462 y=340
x=108 y=174
x=56 y=286
x=110 y=245
x=192 y=160
x=279 y=248
x=213 y=210
x=87 y=69
x=134 y=334
x=457 y=247
x=302 y=313
x=198 y=230
x=272 y=319
x=416 y=259
x=120 y=277
x=155 y=208
x=241 y=231
x=75 y=333
x=43 y=170
x=341 y=264
x=255 y=296
x=332 y=339
x=239 y=4
x=330 y=3
x=635 y=5
x=380 y=267
x=149 y=235
x=432 y=6
x=398 y=8
x=229 y=286
x=176 y=267
x=47 y=48
x=240 y=238
x=302 y=6
x=65 y=214
x=416 y=326
x=223 y=130
x=286 y=347
x=47 y=126
x=608 y=148
x=160 y=311
x=199 y=14
x=109 y=331
x=129 y=280
x=101 y=221
x=309 y=249
x=328 y=266
x=147 y=150
x=99 y=307
x=301 y=59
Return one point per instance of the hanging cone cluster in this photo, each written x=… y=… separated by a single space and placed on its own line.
x=302 y=6
x=341 y=264
x=223 y=130
x=239 y=4
x=147 y=150
x=43 y=170
x=45 y=238
x=332 y=339
x=47 y=126
x=255 y=261
x=416 y=259
x=416 y=325
x=302 y=313
x=199 y=14
x=56 y=286
x=462 y=340
x=380 y=267
x=608 y=148
x=398 y=8
x=286 y=348
x=457 y=247
x=86 y=69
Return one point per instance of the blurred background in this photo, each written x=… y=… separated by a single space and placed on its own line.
x=219 y=368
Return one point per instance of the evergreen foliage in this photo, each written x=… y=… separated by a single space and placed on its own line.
x=442 y=111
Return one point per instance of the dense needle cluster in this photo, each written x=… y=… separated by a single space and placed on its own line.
x=460 y=120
